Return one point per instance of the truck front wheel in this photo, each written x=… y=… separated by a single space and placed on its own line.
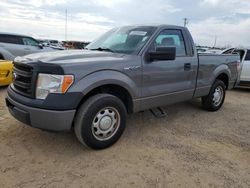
x=100 y=121
x=216 y=96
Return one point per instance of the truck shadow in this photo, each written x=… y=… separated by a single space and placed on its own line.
x=242 y=89
x=137 y=124
x=3 y=88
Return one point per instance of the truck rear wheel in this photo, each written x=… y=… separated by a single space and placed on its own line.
x=100 y=121
x=216 y=96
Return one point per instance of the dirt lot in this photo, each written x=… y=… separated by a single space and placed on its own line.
x=189 y=148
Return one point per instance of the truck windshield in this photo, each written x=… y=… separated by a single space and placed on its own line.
x=128 y=40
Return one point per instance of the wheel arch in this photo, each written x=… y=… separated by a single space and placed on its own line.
x=111 y=82
x=222 y=73
x=224 y=78
x=113 y=89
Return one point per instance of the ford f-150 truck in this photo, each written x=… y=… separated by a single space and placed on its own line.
x=127 y=70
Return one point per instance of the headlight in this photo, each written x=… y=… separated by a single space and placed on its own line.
x=49 y=83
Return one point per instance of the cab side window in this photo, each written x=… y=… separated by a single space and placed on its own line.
x=29 y=41
x=170 y=38
x=10 y=39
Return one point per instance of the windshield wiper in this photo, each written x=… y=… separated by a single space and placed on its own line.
x=103 y=49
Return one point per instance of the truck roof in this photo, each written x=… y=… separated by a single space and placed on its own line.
x=14 y=34
x=155 y=25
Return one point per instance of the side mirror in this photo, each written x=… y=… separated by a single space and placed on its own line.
x=163 y=53
x=40 y=46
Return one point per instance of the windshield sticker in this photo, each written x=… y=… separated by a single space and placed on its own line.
x=140 y=33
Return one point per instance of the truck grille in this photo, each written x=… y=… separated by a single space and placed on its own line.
x=22 y=79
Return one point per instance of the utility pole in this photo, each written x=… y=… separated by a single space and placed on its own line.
x=185 y=22
x=66 y=24
x=215 y=41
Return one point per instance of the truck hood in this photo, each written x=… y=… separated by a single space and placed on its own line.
x=74 y=62
x=69 y=56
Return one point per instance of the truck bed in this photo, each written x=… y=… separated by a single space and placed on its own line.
x=211 y=64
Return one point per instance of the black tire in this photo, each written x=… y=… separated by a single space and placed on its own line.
x=1 y=57
x=209 y=103
x=109 y=107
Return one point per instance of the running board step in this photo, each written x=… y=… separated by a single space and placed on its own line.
x=158 y=112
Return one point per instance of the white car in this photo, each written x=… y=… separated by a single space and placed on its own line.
x=245 y=73
x=245 y=62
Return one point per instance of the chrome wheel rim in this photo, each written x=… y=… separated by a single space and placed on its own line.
x=218 y=96
x=106 y=123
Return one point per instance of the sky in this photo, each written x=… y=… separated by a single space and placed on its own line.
x=226 y=20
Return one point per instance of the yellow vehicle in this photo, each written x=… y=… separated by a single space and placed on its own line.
x=6 y=68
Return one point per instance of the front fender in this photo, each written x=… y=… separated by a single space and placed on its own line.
x=100 y=78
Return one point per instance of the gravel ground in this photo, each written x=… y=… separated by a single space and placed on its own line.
x=188 y=148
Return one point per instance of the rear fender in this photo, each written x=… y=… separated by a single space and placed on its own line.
x=204 y=89
x=222 y=69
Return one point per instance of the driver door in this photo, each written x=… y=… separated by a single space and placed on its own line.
x=169 y=81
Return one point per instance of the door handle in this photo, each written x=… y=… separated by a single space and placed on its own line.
x=187 y=66
x=132 y=68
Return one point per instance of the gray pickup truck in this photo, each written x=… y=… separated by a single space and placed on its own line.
x=127 y=70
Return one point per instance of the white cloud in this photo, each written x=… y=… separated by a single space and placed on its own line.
x=239 y=6
x=92 y=18
x=211 y=2
x=226 y=19
x=38 y=3
x=54 y=28
x=111 y=3
x=227 y=33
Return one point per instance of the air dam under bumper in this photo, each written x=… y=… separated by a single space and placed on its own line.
x=40 y=118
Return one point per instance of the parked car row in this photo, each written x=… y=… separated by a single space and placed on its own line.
x=75 y=44
x=12 y=45
x=55 y=44
x=63 y=45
